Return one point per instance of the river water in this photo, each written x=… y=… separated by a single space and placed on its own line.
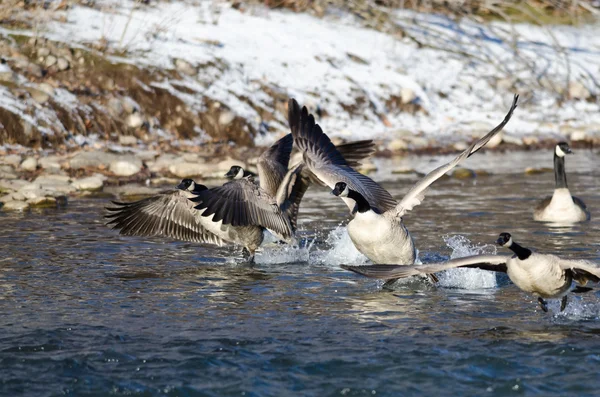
x=84 y=311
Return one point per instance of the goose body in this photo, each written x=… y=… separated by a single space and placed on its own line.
x=377 y=229
x=561 y=207
x=542 y=275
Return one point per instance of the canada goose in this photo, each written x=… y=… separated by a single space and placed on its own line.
x=377 y=229
x=561 y=206
x=543 y=275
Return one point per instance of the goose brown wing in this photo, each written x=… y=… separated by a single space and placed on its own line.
x=168 y=214
x=582 y=270
x=273 y=164
x=243 y=203
x=290 y=192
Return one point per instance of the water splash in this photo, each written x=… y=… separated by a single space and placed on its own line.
x=580 y=307
x=341 y=251
x=467 y=278
x=273 y=254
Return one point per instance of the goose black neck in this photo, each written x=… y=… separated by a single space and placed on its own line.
x=522 y=253
x=362 y=205
x=559 y=172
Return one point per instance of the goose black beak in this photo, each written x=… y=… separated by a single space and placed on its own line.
x=230 y=174
x=182 y=186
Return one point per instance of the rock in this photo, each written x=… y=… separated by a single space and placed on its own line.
x=51 y=163
x=146 y=155
x=225 y=165
x=50 y=61
x=164 y=161
x=496 y=140
x=93 y=159
x=129 y=105
x=43 y=52
x=537 y=171
x=47 y=88
x=12 y=185
x=226 y=118
x=42 y=202
x=131 y=190
x=460 y=146
x=531 y=140
x=578 y=91
x=134 y=120
x=404 y=170
x=407 y=95
x=62 y=64
x=397 y=145
x=8 y=175
x=512 y=139
x=127 y=140
x=367 y=167
x=578 y=135
x=126 y=166
x=463 y=173
x=115 y=106
x=164 y=181
x=7 y=75
x=185 y=67
x=91 y=183
x=38 y=95
x=11 y=159
x=188 y=170
x=50 y=185
x=34 y=69
x=29 y=164
x=192 y=158
x=15 y=206
x=6 y=198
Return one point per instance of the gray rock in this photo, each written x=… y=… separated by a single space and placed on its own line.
x=43 y=52
x=127 y=140
x=8 y=175
x=12 y=185
x=47 y=88
x=51 y=163
x=15 y=206
x=50 y=61
x=29 y=164
x=226 y=117
x=185 y=67
x=225 y=165
x=62 y=64
x=11 y=159
x=129 y=105
x=134 y=120
x=131 y=190
x=187 y=170
x=115 y=106
x=126 y=166
x=6 y=198
x=93 y=159
x=146 y=155
x=397 y=145
x=7 y=76
x=164 y=161
x=91 y=183
x=50 y=185
x=38 y=95
x=42 y=202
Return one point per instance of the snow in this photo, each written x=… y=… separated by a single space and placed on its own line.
x=314 y=60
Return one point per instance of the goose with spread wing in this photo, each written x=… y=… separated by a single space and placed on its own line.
x=561 y=206
x=376 y=229
x=543 y=275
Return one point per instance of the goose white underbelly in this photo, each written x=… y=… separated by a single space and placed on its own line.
x=382 y=238
x=539 y=276
x=561 y=208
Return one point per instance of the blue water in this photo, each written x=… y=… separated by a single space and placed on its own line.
x=86 y=312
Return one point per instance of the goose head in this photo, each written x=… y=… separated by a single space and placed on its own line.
x=235 y=172
x=190 y=186
x=341 y=190
x=504 y=240
x=562 y=149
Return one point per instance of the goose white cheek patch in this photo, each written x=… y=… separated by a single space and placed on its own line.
x=559 y=151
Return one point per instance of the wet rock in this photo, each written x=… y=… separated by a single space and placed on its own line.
x=29 y=164
x=537 y=171
x=15 y=206
x=42 y=202
x=93 y=159
x=12 y=159
x=126 y=166
x=50 y=61
x=185 y=67
x=130 y=190
x=91 y=183
x=463 y=173
x=62 y=64
x=127 y=140
x=578 y=91
x=134 y=120
x=188 y=170
x=397 y=145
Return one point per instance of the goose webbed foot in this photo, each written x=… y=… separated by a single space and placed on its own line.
x=543 y=304
x=248 y=255
x=563 y=303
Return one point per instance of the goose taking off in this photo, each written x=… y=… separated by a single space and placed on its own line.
x=543 y=275
x=377 y=229
x=561 y=207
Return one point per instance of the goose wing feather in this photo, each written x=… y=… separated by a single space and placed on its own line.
x=291 y=191
x=487 y=262
x=243 y=203
x=168 y=214
x=416 y=194
x=582 y=270
x=273 y=163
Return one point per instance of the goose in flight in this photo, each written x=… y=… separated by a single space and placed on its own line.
x=543 y=275
x=561 y=207
x=376 y=229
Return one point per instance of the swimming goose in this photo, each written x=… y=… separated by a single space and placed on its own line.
x=543 y=275
x=561 y=206
x=377 y=229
